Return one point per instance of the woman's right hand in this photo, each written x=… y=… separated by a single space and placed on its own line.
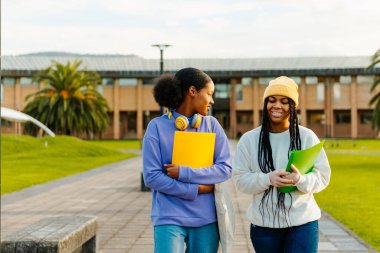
x=277 y=179
x=205 y=188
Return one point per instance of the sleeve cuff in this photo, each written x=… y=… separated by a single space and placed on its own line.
x=266 y=180
x=192 y=192
x=301 y=181
x=184 y=174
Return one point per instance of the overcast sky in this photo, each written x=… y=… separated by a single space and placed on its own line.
x=195 y=28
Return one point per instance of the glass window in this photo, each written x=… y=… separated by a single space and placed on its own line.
x=320 y=92
x=108 y=81
x=147 y=117
x=239 y=92
x=25 y=81
x=265 y=80
x=342 y=118
x=296 y=79
x=128 y=81
x=148 y=81
x=336 y=91
x=246 y=80
x=2 y=92
x=8 y=80
x=222 y=90
x=316 y=117
x=311 y=80
x=345 y=79
x=100 y=89
x=244 y=117
x=366 y=118
x=366 y=79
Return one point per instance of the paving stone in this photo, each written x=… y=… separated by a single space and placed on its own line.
x=349 y=246
x=326 y=246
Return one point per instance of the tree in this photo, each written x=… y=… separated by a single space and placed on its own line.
x=68 y=102
x=375 y=100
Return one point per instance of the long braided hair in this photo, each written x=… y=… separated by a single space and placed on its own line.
x=265 y=160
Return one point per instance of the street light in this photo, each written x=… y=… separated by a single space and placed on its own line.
x=162 y=47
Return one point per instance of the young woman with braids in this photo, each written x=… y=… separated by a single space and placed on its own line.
x=183 y=203
x=280 y=222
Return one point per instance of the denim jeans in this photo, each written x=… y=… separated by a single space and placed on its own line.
x=298 y=239
x=172 y=239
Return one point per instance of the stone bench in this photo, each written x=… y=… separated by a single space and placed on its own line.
x=62 y=234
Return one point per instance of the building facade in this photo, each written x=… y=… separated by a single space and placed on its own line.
x=334 y=91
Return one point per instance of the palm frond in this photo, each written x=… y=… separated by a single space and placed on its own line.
x=68 y=102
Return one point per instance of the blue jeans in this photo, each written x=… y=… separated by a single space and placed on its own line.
x=172 y=239
x=298 y=239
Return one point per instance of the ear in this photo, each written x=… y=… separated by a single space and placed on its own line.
x=192 y=91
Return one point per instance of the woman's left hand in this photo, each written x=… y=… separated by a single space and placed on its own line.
x=172 y=170
x=294 y=176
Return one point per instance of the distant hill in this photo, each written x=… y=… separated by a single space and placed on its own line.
x=68 y=54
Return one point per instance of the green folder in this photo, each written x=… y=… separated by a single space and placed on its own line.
x=304 y=161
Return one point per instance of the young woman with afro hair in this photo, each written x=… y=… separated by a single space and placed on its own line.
x=183 y=203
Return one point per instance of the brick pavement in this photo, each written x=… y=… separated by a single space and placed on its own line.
x=112 y=193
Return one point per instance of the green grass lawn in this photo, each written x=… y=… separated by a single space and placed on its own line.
x=27 y=161
x=119 y=144
x=353 y=195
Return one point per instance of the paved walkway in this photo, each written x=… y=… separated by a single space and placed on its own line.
x=112 y=193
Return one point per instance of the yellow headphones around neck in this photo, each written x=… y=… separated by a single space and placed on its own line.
x=182 y=122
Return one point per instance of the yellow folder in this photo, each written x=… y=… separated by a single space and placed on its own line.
x=193 y=149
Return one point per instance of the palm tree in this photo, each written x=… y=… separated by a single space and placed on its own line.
x=68 y=102
x=375 y=100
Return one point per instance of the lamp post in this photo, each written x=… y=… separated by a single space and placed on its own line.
x=161 y=47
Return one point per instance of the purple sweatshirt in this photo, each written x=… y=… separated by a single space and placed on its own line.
x=176 y=201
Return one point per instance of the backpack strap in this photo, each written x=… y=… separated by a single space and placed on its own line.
x=208 y=121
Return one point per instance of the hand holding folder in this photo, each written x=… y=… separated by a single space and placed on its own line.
x=193 y=149
x=304 y=161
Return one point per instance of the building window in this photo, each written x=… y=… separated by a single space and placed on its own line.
x=148 y=116
x=2 y=93
x=24 y=81
x=320 y=92
x=366 y=79
x=311 y=80
x=342 y=118
x=148 y=81
x=336 y=91
x=246 y=81
x=8 y=80
x=222 y=90
x=366 y=118
x=108 y=81
x=265 y=80
x=345 y=79
x=100 y=89
x=315 y=117
x=128 y=81
x=244 y=117
x=296 y=79
x=6 y=123
x=239 y=92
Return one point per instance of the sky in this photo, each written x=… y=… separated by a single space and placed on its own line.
x=194 y=28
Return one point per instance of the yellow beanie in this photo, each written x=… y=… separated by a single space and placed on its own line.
x=282 y=86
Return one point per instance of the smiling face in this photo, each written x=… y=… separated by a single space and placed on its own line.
x=278 y=109
x=203 y=100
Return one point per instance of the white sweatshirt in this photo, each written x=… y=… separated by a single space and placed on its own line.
x=249 y=179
